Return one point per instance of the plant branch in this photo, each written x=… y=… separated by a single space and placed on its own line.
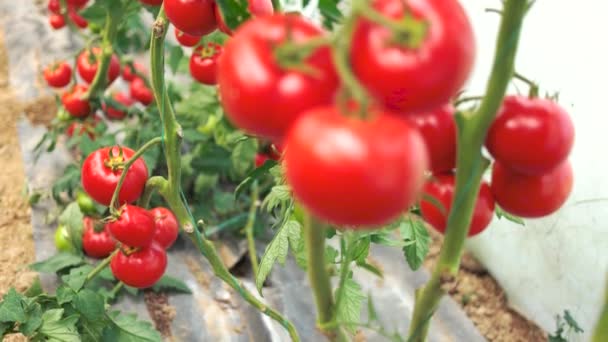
x=345 y=247
x=103 y=264
x=156 y=183
x=253 y=256
x=601 y=329
x=472 y=130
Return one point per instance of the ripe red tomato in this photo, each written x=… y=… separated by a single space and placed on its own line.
x=186 y=39
x=134 y=227
x=77 y=19
x=88 y=62
x=438 y=129
x=101 y=172
x=73 y=102
x=258 y=94
x=260 y=159
x=57 y=21
x=203 y=63
x=256 y=8
x=116 y=113
x=531 y=136
x=151 y=2
x=194 y=17
x=531 y=196
x=96 y=244
x=354 y=172
x=77 y=3
x=140 y=92
x=54 y=6
x=58 y=75
x=166 y=227
x=141 y=269
x=128 y=74
x=415 y=79
x=85 y=126
x=441 y=189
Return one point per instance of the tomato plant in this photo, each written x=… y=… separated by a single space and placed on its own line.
x=97 y=244
x=113 y=111
x=74 y=103
x=166 y=228
x=141 y=268
x=203 y=63
x=88 y=63
x=58 y=75
x=194 y=17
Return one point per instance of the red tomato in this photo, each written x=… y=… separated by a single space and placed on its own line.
x=441 y=189
x=194 y=17
x=54 y=6
x=531 y=196
x=101 y=172
x=96 y=244
x=166 y=227
x=151 y=2
x=415 y=79
x=203 y=63
x=116 y=113
x=77 y=3
x=352 y=172
x=58 y=75
x=256 y=8
x=81 y=127
x=186 y=39
x=140 y=92
x=73 y=102
x=531 y=136
x=128 y=74
x=438 y=129
x=88 y=62
x=134 y=227
x=258 y=95
x=57 y=21
x=142 y=268
x=260 y=159
x=77 y=19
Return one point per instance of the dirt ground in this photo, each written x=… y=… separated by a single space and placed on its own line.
x=478 y=293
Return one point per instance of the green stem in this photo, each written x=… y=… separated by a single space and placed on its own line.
x=126 y=167
x=470 y=167
x=156 y=183
x=345 y=247
x=253 y=256
x=172 y=192
x=601 y=330
x=116 y=289
x=103 y=264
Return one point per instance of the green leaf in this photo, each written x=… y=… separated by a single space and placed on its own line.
x=12 y=308
x=56 y=329
x=349 y=308
x=35 y=289
x=126 y=328
x=77 y=277
x=175 y=55
x=68 y=182
x=57 y=263
x=64 y=294
x=243 y=155
x=370 y=268
x=371 y=309
x=34 y=320
x=500 y=213
x=277 y=250
x=360 y=249
x=572 y=322
x=4 y=327
x=417 y=241
x=171 y=284
x=331 y=254
x=330 y=12
x=91 y=307
x=253 y=176
x=72 y=217
x=278 y=194
x=234 y=12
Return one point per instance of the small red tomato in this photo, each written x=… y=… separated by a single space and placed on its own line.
x=352 y=172
x=438 y=129
x=531 y=196
x=88 y=62
x=531 y=136
x=116 y=113
x=259 y=94
x=57 y=21
x=151 y=2
x=77 y=3
x=256 y=8
x=194 y=17
x=414 y=79
x=142 y=268
x=186 y=39
x=96 y=244
x=101 y=171
x=134 y=227
x=140 y=92
x=203 y=63
x=58 y=75
x=441 y=189
x=166 y=227
x=128 y=72
x=73 y=102
x=54 y=6
x=81 y=127
x=260 y=159
x=77 y=19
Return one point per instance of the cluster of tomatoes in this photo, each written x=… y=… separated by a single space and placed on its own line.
x=57 y=17
x=143 y=235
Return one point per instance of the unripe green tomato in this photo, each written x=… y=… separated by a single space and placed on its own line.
x=94 y=28
x=63 y=115
x=86 y=204
x=62 y=239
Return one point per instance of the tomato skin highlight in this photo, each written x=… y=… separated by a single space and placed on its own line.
x=141 y=269
x=415 y=80
x=530 y=135
x=203 y=67
x=166 y=227
x=438 y=128
x=186 y=39
x=256 y=8
x=134 y=227
x=441 y=189
x=258 y=95
x=194 y=17
x=73 y=103
x=97 y=245
x=57 y=21
x=99 y=180
x=87 y=69
x=115 y=113
x=532 y=196
x=59 y=75
x=140 y=91
x=354 y=173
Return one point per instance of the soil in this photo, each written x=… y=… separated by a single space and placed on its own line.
x=161 y=312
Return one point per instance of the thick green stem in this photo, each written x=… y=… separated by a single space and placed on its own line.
x=156 y=183
x=253 y=256
x=601 y=329
x=172 y=192
x=103 y=264
x=345 y=246
x=470 y=167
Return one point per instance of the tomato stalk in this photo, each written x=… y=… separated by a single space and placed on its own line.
x=103 y=264
x=345 y=250
x=172 y=193
x=601 y=330
x=253 y=257
x=156 y=183
x=470 y=166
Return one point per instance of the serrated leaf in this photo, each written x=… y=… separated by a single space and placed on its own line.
x=500 y=213
x=349 y=308
x=243 y=155
x=417 y=241
x=171 y=284
x=234 y=12
x=126 y=328
x=34 y=320
x=77 y=277
x=360 y=249
x=64 y=294
x=91 y=307
x=276 y=251
x=572 y=322
x=330 y=12
x=278 y=194
x=72 y=217
x=253 y=176
x=12 y=308
x=57 y=263
x=57 y=329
